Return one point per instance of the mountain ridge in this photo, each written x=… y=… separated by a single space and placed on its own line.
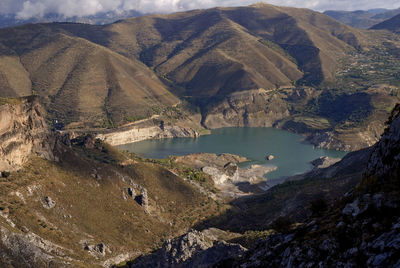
x=226 y=62
x=363 y=19
x=392 y=24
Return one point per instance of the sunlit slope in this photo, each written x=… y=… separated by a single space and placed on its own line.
x=81 y=82
x=218 y=51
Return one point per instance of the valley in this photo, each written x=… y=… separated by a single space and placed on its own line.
x=73 y=95
x=145 y=66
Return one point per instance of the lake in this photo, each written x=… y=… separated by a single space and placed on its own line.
x=292 y=155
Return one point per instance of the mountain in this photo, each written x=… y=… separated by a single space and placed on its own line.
x=79 y=81
x=392 y=25
x=363 y=19
x=257 y=66
x=219 y=51
x=8 y=20
x=67 y=198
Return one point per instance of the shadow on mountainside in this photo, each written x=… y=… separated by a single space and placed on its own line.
x=292 y=199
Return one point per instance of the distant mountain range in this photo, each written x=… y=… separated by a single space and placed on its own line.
x=392 y=24
x=101 y=18
x=363 y=19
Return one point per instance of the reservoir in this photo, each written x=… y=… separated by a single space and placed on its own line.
x=292 y=155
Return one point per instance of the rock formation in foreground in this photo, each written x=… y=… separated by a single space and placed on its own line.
x=23 y=131
x=79 y=202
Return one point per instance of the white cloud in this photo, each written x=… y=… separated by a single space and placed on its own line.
x=35 y=8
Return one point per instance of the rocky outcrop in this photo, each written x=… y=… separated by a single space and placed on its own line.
x=385 y=158
x=140 y=133
x=201 y=160
x=252 y=108
x=49 y=202
x=30 y=250
x=351 y=166
x=353 y=140
x=324 y=162
x=193 y=249
x=357 y=237
x=226 y=174
x=296 y=109
x=23 y=131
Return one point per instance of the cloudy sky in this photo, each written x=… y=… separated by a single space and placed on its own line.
x=36 y=8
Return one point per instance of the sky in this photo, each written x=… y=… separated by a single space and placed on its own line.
x=36 y=8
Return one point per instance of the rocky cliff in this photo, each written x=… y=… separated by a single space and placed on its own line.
x=384 y=161
x=326 y=120
x=137 y=133
x=23 y=131
x=193 y=249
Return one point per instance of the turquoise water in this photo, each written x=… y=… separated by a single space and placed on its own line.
x=292 y=155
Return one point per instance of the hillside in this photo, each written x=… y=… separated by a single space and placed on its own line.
x=259 y=65
x=79 y=81
x=10 y=20
x=88 y=205
x=392 y=24
x=358 y=228
x=219 y=51
x=362 y=19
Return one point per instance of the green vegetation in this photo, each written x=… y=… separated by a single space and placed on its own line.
x=10 y=101
x=133 y=118
x=190 y=174
x=250 y=238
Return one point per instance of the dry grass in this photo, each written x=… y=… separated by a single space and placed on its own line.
x=79 y=81
x=93 y=209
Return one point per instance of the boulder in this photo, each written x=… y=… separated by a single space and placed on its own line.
x=49 y=202
x=270 y=157
x=193 y=249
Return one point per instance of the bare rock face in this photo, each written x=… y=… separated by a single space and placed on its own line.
x=193 y=249
x=201 y=160
x=324 y=162
x=49 y=202
x=99 y=250
x=231 y=180
x=248 y=108
x=142 y=199
x=385 y=158
x=145 y=131
x=32 y=250
x=23 y=131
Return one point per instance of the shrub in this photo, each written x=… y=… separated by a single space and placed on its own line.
x=5 y=174
x=282 y=224
x=318 y=206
